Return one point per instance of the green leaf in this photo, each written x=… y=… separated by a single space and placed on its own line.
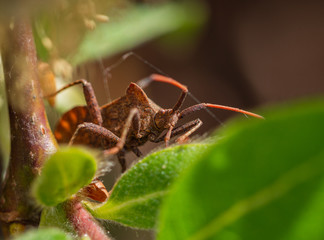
x=63 y=174
x=44 y=234
x=263 y=180
x=56 y=217
x=42 y=52
x=138 y=25
x=137 y=195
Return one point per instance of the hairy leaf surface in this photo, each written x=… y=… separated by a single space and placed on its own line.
x=137 y=195
x=56 y=217
x=263 y=180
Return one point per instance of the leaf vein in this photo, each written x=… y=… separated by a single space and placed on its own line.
x=101 y=210
x=281 y=186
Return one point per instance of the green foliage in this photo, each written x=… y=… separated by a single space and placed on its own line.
x=263 y=180
x=63 y=175
x=44 y=234
x=139 y=24
x=137 y=195
x=42 y=52
x=56 y=217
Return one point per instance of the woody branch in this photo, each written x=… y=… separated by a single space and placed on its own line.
x=31 y=137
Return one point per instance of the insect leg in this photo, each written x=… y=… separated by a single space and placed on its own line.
x=168 y=136
x=187 y=128
x=189 y=131
x=91 y=100
x=136 y=151
x=96 y=131
x=122 y=160
x=96 y=190
x=133 y=119
x=99 y=133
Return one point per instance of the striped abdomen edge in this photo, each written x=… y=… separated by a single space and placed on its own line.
x=68 y=123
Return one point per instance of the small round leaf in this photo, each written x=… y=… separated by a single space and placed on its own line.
x=63 y=175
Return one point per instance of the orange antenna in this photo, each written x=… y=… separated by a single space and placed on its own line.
x=200 y=106
x=160 y=78
x=233 y=109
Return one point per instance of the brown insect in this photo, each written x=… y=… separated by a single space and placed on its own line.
x=129 y=121
x=126 y=123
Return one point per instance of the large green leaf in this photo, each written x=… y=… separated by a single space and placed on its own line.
x=138 y=25
x=263 y=180
x=63 y=175
x=44 y=234
x=137 y=195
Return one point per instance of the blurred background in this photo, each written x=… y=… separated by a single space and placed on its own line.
x=246 y=54
x=242 y=54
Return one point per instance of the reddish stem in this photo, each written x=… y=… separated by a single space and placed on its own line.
x=31 y=137
x=32 y=140
x=1 y=169
x=83 y=222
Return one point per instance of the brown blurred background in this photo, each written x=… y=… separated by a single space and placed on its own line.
x=249 y=54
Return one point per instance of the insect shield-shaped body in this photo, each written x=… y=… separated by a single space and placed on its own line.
x=114 y=118
x=129 y=121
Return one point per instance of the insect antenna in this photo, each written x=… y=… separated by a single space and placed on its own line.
x=116 y=64
x=164 y=77
x=105 y=76
x=167 y=75
x=207 y=109
x=200 y=106
x=160 y=78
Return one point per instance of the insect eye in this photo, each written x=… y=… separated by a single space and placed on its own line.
x=159 y=119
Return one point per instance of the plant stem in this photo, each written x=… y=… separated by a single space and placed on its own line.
x=83 y=222
x=31 y=137
x=1 y=169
